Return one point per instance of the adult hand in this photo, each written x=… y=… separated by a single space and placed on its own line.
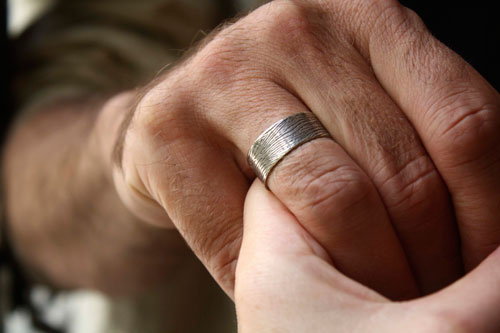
x=285 y=282
x=413 y=126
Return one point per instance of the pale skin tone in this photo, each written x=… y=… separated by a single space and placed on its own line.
x=413 y=168
x=285 y=282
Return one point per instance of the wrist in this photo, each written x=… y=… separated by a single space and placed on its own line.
x=109 y=138
x=108 y=129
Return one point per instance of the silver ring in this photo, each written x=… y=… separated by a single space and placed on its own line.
x=280 y=139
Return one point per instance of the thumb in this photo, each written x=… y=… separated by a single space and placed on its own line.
x=276 y=260
x=272 y=255
x=271 y=231
x=275 y=247
x=284 y=278
x=475 y=299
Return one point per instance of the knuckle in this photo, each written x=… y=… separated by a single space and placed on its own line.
x=466 y=128
x=342 y=186
x=411 y=186
x=318 y=184
x=386 y=16
x=234 y=53
x=285 y=20
x=400 y=21
x=279 y=31
x=295 y=31
x=163 y=114
x=223 y=60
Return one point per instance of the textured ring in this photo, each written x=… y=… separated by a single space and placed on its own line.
x=280 y=139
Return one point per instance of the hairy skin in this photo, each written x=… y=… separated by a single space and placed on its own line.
x=415 y=154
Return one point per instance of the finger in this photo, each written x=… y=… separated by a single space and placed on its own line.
x=340 y=88
x=199 y=185
x=274 y=250
x=272 y=232
x=280 y=263
x=317 y=182
x=472 y=302
x=337 y=203
x=456 y=113
x=333 y=199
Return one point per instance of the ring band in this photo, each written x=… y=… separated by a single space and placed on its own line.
x=280 y=139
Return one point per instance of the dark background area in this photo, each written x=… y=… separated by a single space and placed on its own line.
x=470 y=28
x=5 y=113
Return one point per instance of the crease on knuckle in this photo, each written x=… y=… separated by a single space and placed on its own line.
x=335 y=186
x=318 y=185
x=411 y=185
x=467 y=128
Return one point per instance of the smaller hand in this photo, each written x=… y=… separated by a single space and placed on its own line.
x=286 y=283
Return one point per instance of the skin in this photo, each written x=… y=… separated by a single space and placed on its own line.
x=412 y=170
x=285 y=282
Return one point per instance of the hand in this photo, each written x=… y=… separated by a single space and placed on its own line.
x=285 y=282
x=414 y=126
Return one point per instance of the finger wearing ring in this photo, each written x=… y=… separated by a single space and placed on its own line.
x=280 y=139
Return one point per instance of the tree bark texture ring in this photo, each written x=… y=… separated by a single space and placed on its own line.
x=280 y=139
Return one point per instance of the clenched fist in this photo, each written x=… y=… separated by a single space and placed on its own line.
x=413 y=164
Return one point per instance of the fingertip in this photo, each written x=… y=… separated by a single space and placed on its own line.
x=261 y=204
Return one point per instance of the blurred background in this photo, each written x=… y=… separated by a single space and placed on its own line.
x=190 y=301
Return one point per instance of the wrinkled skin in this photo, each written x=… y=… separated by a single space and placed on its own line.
x=285 y=282
x=413 y=170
